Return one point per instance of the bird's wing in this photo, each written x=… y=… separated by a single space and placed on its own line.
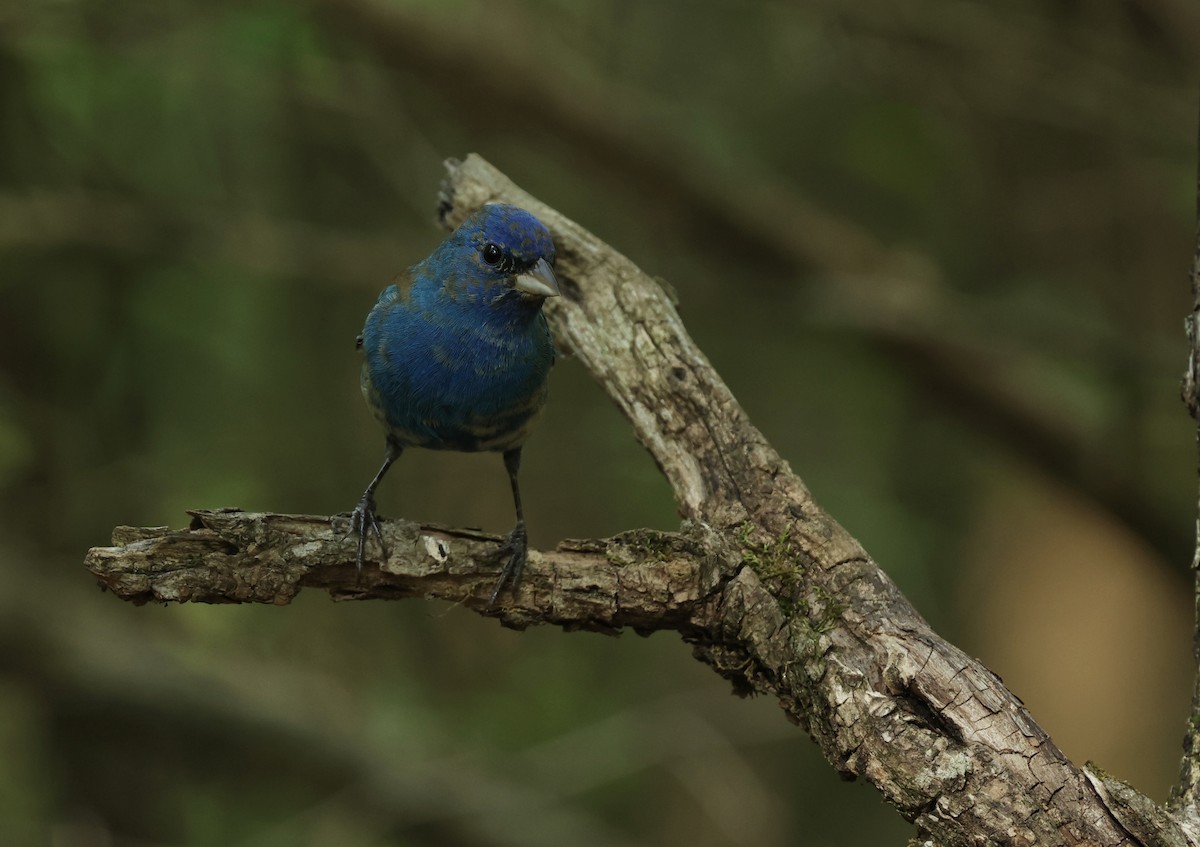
x=387 y=297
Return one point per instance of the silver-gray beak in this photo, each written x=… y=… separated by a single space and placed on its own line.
x=538 y=281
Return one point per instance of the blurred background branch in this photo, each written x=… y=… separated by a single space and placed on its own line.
x=1185 y=797
x=200 y=204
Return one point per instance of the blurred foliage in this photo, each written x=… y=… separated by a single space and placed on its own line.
x=939 y=251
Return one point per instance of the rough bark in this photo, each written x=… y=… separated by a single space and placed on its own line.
x=642 y=579
x=1186 y=799
x=772 y=592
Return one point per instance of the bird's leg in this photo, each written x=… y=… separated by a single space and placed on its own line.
x=517 y=546
x=363 y=520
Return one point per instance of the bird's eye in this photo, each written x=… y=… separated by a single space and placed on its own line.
x=491 y=253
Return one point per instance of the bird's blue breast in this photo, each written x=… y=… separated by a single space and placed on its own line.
x=455 y=372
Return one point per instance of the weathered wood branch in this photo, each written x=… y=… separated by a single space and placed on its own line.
x=642 y=579
x=770 y=590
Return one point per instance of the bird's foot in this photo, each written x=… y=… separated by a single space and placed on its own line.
x=362 y=523
x=516 y=548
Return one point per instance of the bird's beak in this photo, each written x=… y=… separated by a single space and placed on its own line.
x=538 y=281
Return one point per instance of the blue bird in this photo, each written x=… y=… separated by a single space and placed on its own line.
x=457 y=352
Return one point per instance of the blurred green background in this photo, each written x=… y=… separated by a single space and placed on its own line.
x=939 y=250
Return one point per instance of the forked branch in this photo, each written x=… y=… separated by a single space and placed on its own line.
x=772 y=592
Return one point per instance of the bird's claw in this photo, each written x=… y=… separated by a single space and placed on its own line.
x=517 y=550
x=362 y=523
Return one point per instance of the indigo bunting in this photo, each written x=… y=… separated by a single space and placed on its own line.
x=456 y=355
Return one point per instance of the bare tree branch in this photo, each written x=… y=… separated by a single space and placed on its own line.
x=639 y=579
x=770 y=590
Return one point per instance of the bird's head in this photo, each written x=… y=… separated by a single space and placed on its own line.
x=507 y=245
